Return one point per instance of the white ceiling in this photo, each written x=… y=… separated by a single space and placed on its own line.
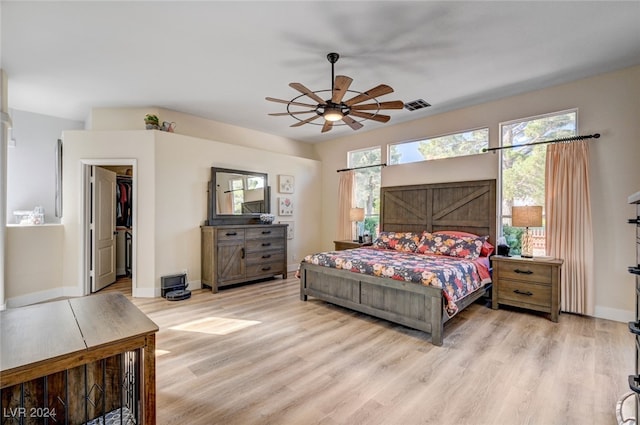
x=219 y=60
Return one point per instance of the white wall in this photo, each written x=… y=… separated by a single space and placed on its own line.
x=31 y=162
x=608 y=104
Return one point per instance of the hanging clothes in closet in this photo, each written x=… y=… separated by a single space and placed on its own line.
x=124 y=201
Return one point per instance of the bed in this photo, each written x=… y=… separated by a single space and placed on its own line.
x=467 y=206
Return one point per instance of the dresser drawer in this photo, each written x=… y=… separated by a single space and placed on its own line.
x=266 y=232
x=259 y=245
x=519 y=293
x=264 y=269
x=230 y=234
x=265 y=257
x=525 y=271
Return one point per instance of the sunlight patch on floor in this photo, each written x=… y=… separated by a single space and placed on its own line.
x=215 y=325
x=161 y=352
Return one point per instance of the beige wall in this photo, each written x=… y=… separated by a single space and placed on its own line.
x=171 y=172
x=189 y=125
x=608 y=104
x=183 y=169
x=174 y=167
x=99 y=148
x=34 y=264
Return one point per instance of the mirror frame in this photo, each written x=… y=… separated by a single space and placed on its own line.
x=247 y=218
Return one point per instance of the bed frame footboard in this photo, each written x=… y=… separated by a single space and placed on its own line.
x=415 y=306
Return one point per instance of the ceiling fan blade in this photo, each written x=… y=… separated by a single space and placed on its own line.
x=396 y=104
x=355 y=125
x=302 y=89
x=380 y=90
x=271 y=99
x=374 y=117
x=280 y=114
x=340 y=87
x=299 y=123
x=328 y=125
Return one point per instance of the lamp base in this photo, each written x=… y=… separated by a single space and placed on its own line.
x=526 y=244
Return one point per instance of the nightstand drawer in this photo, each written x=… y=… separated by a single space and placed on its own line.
x=512 y=292
x=523 y=270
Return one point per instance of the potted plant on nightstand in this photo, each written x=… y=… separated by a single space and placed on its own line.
x=151 y=122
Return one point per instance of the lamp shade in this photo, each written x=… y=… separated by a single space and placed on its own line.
x=356 y=214
x=530 y=216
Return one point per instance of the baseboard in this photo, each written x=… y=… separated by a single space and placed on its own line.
x=42 y=296
x=614 y=314
x=146 y=292
x=157 y=292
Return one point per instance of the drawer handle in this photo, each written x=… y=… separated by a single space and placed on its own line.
x=523 y=271
x=266 y=256
x=527 y=293
x=634 y=270
x=266 y=232
x=634 y=220
x=231 y=233
x=266 y=244
x=633 y=383
x=634 y=327
x=264 y=269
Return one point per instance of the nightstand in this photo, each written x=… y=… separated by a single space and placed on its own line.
x=342 y=245
x=531 y=283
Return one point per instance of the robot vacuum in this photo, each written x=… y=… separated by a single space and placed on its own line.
x=181 y=294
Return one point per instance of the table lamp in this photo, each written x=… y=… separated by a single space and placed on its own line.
x=529 y=216
x=357 y=215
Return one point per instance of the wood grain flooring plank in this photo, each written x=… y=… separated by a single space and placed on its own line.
x=315 y=363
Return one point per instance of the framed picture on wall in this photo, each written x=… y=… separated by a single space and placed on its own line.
x=285 y=205
x=290 y=228
x=286 y=183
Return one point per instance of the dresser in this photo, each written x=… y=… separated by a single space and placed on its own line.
x=634 y=327
x=531 y=283
x=241 y=253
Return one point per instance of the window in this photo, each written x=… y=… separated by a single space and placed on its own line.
x=469 y=142
x=367 y=186
x=236 y=187
x=523 y=169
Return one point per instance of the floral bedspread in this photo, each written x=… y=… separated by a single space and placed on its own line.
x=458 y=277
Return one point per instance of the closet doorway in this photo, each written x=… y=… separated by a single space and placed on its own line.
x=109 y=215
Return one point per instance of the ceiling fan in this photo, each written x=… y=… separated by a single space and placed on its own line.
x=335 y=109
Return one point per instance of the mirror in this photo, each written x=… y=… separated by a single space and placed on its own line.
x=238 y=193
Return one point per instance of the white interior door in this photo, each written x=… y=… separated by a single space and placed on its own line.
x=103 y=228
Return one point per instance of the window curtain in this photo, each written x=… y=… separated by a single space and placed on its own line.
x=345 y=202
x=568 y=223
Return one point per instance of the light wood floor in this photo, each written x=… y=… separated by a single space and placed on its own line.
x=256 y=354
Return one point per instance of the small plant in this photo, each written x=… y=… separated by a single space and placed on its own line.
x=151 y=119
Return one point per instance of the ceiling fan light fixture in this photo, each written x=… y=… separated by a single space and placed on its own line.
x=335 y=109
x=333 y=114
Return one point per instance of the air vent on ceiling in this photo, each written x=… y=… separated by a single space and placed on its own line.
x=416 y=104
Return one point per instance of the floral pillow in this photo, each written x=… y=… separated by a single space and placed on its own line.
x=487 y=247
x=400 y=241
x=452 y=246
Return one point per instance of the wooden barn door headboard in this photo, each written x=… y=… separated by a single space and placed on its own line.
x=468 y=206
